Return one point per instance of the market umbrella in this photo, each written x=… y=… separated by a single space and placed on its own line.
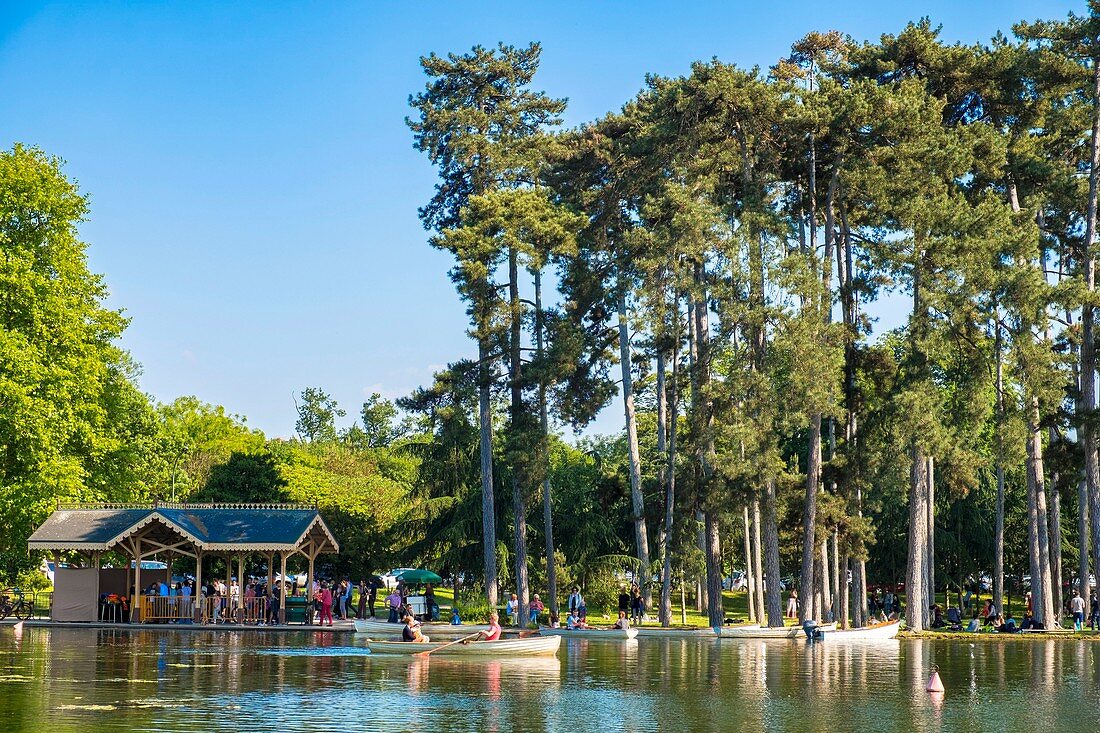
x=419 y=576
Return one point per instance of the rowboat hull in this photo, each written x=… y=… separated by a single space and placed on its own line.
x=754 y=631
x=882 y=632
x=533 y=646
x=663 y=633
x=434 y=631
x=621 y=634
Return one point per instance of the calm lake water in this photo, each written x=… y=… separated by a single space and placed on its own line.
x=75 y=679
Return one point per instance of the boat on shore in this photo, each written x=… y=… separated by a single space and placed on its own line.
x=622 y=634
x=880 y=632
x=661 y=632
x=433 y=630
x=531 y=646
x=756 y=631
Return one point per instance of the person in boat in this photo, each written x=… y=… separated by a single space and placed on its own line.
x=412 y=631
x=623 y=622
x=493 y=632
x=555 y=620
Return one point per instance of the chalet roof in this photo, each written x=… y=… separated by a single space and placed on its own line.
x=209 y=527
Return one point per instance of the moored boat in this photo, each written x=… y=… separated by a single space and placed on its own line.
x=670 y=633
x=434 y=631
x=755 y=631
x=880 y=632
x=531 y=646
x=623 y=634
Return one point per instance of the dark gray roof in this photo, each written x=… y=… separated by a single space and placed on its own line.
x=85 y=526
x=208 y=526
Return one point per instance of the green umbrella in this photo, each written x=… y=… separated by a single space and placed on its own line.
x=419 y=576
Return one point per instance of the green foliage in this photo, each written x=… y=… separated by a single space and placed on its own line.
x=317 y=413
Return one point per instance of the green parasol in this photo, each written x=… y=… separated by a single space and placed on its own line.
x=419 y=576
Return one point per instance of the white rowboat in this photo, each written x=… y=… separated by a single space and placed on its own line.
x=532 y=646
x=755 y=631
x=624 y=634
x=440 y=631
x=663 y=633
x=882 y=632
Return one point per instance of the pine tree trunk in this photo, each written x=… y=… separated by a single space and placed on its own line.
x=1088 y=337
x=999 y=521
x=809 y=518
x=519 y=493
x=641 y=538
x=715 y=612
x=1042 y=516
x=758 y=563
x=670 y=489
x=916 y=605
x=547 y=508
x=930 y=555
x=839 y=608
x=488 y=510
x=750 y=578
x=1056 y=547
x=772 y=591
x=826 y=583
x=1083 y=537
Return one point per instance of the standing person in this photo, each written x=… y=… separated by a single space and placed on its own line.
x=372 y=596
x=393 y=601
x=430 y=608
x=275 y=603
x=624 y=600
x=637 y=606
x=326 y=605
x=361 y=611
x=576 y=600
x=1077 y=608
x=792 y=604
x=1094 y=613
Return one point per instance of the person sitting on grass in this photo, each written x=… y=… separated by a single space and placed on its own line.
x=412 y=632
x=456 y=620
x=623 y=622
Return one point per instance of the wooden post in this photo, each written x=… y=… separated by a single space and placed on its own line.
x=309 y=585
x=95 y=564
x=135 y=602
x=283 y=590
x=196 y=597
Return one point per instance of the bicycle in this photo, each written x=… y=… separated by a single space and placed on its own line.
x=21 y=607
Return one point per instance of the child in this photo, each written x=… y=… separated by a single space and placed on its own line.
x=456 y=620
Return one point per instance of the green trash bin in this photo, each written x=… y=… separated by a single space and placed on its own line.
x=296 y=609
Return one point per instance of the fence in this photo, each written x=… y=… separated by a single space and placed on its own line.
x=167 y=608
x=219 y=610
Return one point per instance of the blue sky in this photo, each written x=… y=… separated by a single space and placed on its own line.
x=254 y=187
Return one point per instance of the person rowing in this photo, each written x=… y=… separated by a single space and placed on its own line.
x=493 y=632
x=572 y=622
x=412 y=631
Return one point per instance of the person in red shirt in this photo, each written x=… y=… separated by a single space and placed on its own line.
x=326 y=604
x=493 y=634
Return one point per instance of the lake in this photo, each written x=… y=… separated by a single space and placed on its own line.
x=93 y=679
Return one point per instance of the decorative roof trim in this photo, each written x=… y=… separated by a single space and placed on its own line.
x=149 y=520
x=61 y=545
x=328 y=533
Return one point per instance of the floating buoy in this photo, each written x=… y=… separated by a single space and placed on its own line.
x=935 y=684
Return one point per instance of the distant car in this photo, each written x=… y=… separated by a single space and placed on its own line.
x=737 y=581
x=390 y=579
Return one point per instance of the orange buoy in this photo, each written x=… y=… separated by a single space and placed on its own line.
x=935 y=684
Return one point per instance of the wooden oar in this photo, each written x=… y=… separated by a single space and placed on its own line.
x=426 y=652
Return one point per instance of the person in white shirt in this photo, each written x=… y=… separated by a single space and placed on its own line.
x=1077 y=608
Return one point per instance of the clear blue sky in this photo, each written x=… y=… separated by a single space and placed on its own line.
x=254 y=187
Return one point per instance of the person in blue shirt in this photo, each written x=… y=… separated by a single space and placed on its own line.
x=456 y=620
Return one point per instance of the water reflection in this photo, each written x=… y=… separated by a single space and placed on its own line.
x=76 y=679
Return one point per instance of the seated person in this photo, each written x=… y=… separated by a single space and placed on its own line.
x=493 y=634
x=412 y=632
x=456 y=620
x=554 y=621
x=973 y=625
x=937 y=617
x=536 y=608
x=1004 y=627
x=623 y=622
x=570 y=621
